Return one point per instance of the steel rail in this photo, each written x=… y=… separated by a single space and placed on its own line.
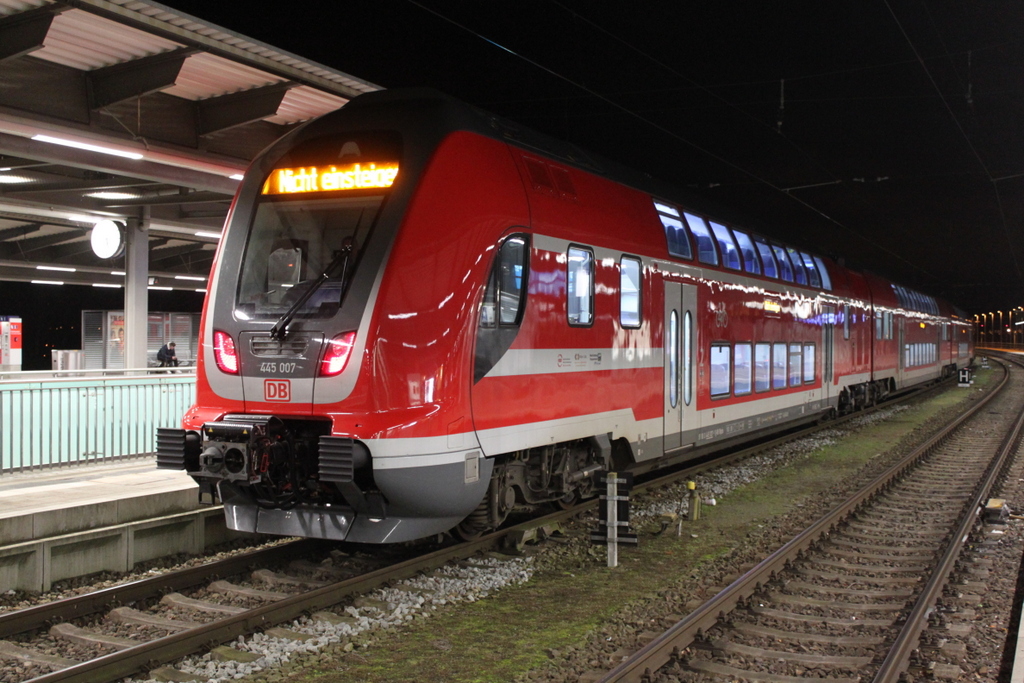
x=898 y=659
x=78 y=606
x=662 y=649
x=32 y=618
x=147 y=655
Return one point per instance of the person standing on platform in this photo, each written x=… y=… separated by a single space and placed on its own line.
x=166 y=356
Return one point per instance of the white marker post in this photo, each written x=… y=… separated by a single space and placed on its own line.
x=612 y=501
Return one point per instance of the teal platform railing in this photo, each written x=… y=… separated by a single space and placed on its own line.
x=49 y=419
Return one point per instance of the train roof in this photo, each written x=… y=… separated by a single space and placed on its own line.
x=459 y=115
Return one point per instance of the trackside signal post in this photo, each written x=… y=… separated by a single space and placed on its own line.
x=615 y=516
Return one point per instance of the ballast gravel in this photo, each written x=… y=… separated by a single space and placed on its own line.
x=468 y=582
x=384 y=608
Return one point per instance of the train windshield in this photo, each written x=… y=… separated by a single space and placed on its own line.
x=291 y=243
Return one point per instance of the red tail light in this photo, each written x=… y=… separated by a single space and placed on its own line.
x=337 y=353
x=224 y=352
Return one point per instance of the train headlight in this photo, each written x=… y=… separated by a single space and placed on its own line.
x=224 y=352
x=336 y=354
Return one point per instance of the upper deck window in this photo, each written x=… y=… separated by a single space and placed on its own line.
x=770 y=269
x=747 y=251
x=812 y=270
x=798 y=267
x=826 y=281
x=730 y=254
x=785 y=269
x=705 y=243
x=675 y=231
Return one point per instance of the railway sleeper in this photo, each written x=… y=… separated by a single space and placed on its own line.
x=181 y=602
x=81 y=636
x=129 y=615
x=9 y=650
x=228 y=588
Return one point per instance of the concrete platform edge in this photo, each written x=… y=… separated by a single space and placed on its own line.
x=36 y=565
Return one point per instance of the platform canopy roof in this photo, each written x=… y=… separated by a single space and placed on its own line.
x=123 y=108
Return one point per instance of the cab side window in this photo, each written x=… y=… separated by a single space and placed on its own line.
x=504 y=297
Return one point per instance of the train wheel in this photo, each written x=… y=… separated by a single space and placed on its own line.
x=568 y=500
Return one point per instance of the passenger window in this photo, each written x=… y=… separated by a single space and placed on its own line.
x=826 y=281
x=812 y=270
x=750 y=263
x=705 y=244
x=730 y=254
x=503 y=298
x=766 y=257
x=808 y=363
x=785 y=270
x=762 y=367
x=846 y=321
x=779 y=366
x=675 y=231
x=798 y=268
x=580 y=286
x=720 y=370
x=795 y=365
x=629 y=292
x=741 y=369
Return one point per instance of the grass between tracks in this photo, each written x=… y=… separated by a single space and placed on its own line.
x=517 y=630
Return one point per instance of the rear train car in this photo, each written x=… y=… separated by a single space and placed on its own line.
x=422 y=317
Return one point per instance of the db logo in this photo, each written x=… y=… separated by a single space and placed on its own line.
x=277 y=390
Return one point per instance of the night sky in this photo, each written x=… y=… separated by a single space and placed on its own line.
x=887 y=132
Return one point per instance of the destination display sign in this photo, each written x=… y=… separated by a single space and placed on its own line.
x=332 y=178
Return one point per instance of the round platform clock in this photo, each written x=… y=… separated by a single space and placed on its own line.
x=107 y=238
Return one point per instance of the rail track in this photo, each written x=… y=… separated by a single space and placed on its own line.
x=136 y=627
x=848 y=599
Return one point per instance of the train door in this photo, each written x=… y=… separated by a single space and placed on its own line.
x=901 y=351
x=680 y=360
x=828 y=340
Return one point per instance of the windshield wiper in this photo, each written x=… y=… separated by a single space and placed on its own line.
x=280 y=329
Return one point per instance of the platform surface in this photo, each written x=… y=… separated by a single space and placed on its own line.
x=50 y=502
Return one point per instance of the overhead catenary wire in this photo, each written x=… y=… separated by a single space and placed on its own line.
x=671 y=133
x=966 y=138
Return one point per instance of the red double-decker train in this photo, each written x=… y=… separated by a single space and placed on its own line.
x=422 y=316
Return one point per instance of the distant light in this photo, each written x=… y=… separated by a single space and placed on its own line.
x=164 y=289
x=190 y=277
x=63 y=270
x=47 y=282
x=103 y=284
x=215 y=235
x=87 y=146
x=113 y=195
x=236 y=176
x=118 y=272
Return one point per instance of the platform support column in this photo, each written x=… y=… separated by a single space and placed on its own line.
x=136 y=292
